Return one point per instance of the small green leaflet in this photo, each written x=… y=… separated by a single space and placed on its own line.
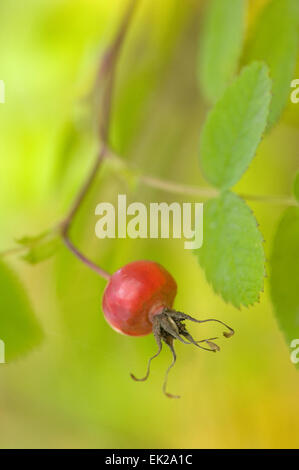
x=40 y=247
x=19 y=328
x=42 y=251
x=234 y=127
x=30 y=240
x=284 y=278
x=232 y=254
x=221 y=45
x=296 y=186
x=275 y=41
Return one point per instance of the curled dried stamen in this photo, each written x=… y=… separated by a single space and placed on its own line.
x=148 y=366
x=183 y=316
x=169 y=325
x=169 y=342
x=210 y=342
x=213 y=347
x=207 y=339
x=157 y=336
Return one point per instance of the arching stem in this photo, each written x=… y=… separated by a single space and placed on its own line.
x=106 y=79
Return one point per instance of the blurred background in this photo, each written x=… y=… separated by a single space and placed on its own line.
x=74 y=389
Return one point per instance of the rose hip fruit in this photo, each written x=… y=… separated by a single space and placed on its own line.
x=134 y=294
x=138 y=300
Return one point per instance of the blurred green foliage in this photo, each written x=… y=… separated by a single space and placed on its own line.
x=275 y=40
x=285 y=273
x=221 y=45
x=74 y=390
x=19 y=328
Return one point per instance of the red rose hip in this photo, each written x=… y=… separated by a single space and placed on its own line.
x=134 y=294
x=138 y=300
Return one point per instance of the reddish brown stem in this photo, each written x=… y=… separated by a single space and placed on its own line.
x=85 y=260
x=106 y=74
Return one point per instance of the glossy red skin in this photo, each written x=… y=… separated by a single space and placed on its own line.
x=134 y=294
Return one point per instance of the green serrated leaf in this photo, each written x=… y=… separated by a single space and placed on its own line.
x=232 y=254
x=41 y=251
x=19 y=328
x=284 y=278
x=234 y=127
x=221 y=45
x=275 y=41
x=296 y=186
